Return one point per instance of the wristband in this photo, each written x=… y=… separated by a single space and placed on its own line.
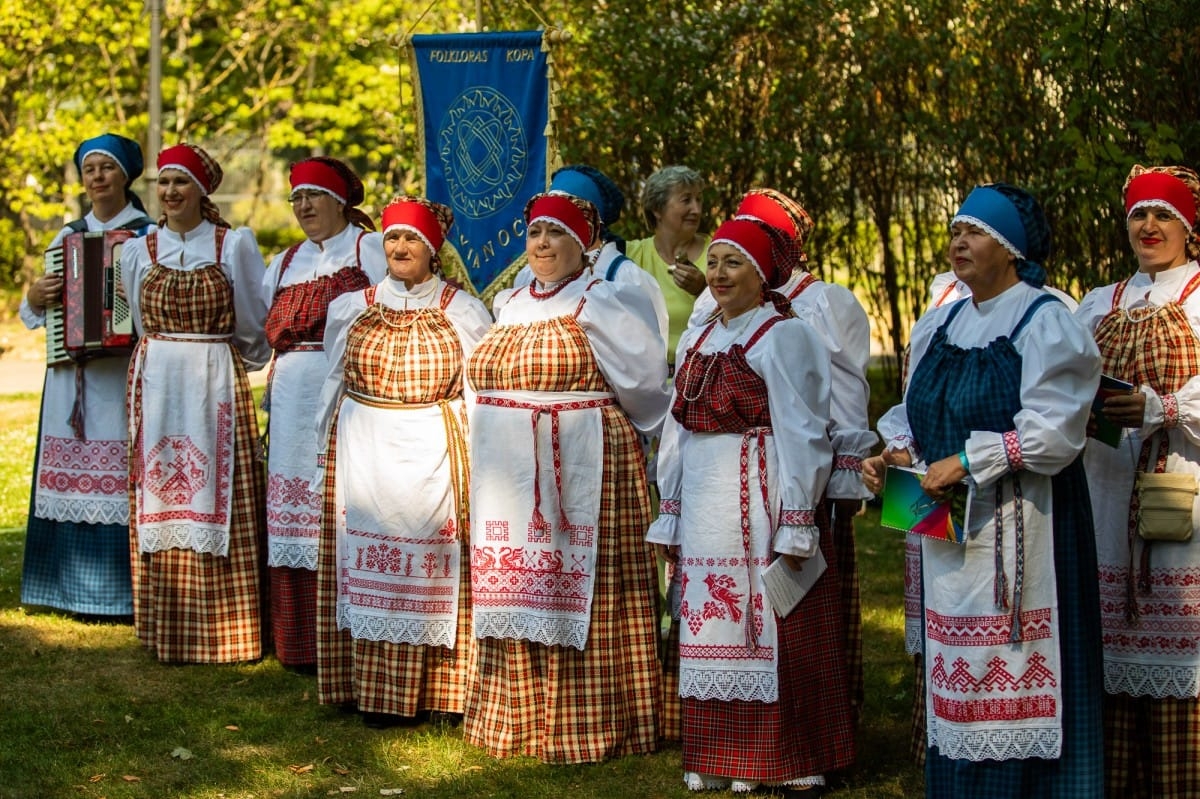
x=962 y=458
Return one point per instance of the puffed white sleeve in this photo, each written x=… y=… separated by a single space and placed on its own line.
x=621 y=326
x=1182 y=408
x=342 y=312
x=794 y=364
x=270 y=281
x=893 y=426
x=842 y=324
x=471 y=321
x=669 y=474
x=135 y=263
x=245 y=267
x=373 y=258
x=1060 y=372
x=702 y=309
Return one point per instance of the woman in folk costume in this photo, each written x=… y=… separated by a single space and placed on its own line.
x=743 y=464
x=1147 y=327
x=77 y=536
x=840 y=321
x=565 y=590
x=340 y=254
x=393 y=602
x=998 y=395
x=197 y=532
x=605 y=256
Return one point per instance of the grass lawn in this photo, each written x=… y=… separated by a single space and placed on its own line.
x=87 y=713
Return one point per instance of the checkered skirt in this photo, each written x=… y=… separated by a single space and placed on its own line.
x=560 y=704
x=400 y=356
x=809 y=731
x=191 y=607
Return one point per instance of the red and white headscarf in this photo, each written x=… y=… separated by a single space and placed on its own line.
x=779 y=211
x=335 y=178
x=429 y=220
x=1175 y=188
x=198 y=165
x=768 y=248
x=578 y=217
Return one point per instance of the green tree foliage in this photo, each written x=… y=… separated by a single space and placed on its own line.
x=879 y=115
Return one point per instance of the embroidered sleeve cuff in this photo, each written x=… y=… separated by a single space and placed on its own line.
x=905 y=443
x=1012 y=450
x=799 y=540
x=1170 y=405
x=669 y=507
x=851 y=463
x=664 y=530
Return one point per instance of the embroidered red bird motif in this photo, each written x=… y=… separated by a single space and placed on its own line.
x=720 y=588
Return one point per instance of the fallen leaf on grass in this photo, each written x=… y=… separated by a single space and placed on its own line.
x=231 y=727
x=341 y=772
x=473 y=768
x=128 y=718
x=96 y=777
x=181 y=753
x=391 y=791
x=301 y=769
x=131 y=778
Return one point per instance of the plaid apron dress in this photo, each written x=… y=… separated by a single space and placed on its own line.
x=295 y=328
x=191 y=607
x=394 y=358
x=954 y=391
x=558 y=703
x=1152 y=730
x=808 y=731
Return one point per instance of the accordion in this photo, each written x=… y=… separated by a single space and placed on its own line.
x=93 y=320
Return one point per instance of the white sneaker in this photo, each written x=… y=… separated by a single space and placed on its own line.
x=742 y=786
x=703 y=782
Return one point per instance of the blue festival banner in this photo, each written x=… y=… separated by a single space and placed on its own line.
x=484 y=106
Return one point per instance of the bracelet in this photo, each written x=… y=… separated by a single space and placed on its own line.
x=962 y=458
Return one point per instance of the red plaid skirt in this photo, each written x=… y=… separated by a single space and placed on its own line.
x=563 y=705
x=809 y=731
x=1151 y=747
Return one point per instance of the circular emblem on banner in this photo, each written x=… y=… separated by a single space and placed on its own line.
x=482 y=147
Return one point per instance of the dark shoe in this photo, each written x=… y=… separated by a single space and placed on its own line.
x=384 y=721
x=440 y=718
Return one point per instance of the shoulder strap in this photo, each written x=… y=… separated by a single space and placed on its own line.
x=617 y=263
x=957 y=306
x=358 y=248
x=448 y=292
x=762 y=329
x=1029 y=312
x=1119 y=292
x=583 y=299
x=219 y=239
x=78 y=225
x=1191 y=286
x=799 y=288
x=369 y=295
x=287 y=261
x=138 y=225
x=937 y=303
x=152 y=246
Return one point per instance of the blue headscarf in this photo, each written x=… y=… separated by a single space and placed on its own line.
x=1014 y=219
x=588 y=183
x=126 y=152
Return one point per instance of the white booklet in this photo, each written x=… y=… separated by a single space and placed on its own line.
x=786 y=586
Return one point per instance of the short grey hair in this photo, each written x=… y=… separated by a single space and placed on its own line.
x=660 y=185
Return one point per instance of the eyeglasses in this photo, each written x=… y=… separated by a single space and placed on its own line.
x=298 y=197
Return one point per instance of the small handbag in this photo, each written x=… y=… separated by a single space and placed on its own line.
x=1165 y=505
